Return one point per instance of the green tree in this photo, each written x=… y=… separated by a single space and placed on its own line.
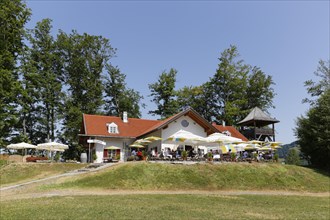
x=118 y=97
x=13 y=16
x=197 y=97
x=164 y=94
x=293 y=157
x=84 y=58
x=229 y=85
x=259 y=91
x=313 y=132
x=45 y=63
x=237 y=87
x=315 y=89
x=29 y=101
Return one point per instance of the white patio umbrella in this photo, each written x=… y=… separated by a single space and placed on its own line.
x=137 y=145
x=51 y=146
x=222 y=138
x=21 y=145
x=185 y=137
x=142 y=141
x=153 y=138
x=112 y=148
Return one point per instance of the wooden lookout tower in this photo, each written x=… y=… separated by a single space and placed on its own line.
x=255 y=126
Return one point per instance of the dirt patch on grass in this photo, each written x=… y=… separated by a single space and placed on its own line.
x=28 y=193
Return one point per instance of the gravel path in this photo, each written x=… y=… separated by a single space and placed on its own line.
x=14 y=195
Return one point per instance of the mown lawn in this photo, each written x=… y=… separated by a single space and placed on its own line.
x=167 y=207
x=21 y=172
x=231 y=176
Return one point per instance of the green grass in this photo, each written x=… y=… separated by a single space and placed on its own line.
x=19 y=172
x=231 y=176
x=167 y=207
x=3 y=163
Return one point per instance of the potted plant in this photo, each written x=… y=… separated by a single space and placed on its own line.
x=184 y=155
x=276 y=157
x=209 y=156
x=94 y=157
x=144 y=155
x=233 y=156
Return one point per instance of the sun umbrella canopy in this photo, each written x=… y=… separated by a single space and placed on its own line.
x=251 y=147
x=21 y=145
x=222 y=138
x=52 y=145
x=227 y=148
x=112 y=148
x=153 y=138
x=265 y=149
x=185 y=137
x=137 y=145
x=255 y=142
x=143 y=141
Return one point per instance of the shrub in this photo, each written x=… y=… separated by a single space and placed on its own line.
x=184 y=154
x=293 y=157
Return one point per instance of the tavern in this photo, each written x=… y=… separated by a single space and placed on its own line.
x=101 y=132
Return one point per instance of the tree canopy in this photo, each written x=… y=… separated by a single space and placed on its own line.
x=164 y=94
x=313 y=130
x=49 y=80
x=13 y=16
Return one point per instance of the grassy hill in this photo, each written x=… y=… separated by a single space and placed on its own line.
x=231 y=176
x=22 y=172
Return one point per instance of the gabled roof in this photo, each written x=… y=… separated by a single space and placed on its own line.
x=209 y=129
x=233 y=131
x=95 y=125
x=259 y=117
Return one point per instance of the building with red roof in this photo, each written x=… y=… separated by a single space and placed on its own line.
x=118 y=133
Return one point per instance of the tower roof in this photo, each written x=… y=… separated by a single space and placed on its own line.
x=258 y=117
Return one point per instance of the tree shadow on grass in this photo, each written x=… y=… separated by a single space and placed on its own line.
x=325 y=171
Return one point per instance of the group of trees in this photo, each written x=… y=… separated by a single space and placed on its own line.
x=48 y=81
x=228 y=96
x=313 y=130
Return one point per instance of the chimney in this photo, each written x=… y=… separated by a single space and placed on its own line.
x=125 y=119
x=223 y=123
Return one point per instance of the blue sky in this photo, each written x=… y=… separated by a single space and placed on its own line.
x=285 y=39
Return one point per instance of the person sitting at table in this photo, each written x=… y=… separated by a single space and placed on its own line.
x=191 y=153
x=139 y=154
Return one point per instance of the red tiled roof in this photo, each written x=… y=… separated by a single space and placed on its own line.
x=95 y=125
x=160 y=124
x=234 y=132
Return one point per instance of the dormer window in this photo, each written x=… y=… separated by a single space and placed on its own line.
x=112 y=128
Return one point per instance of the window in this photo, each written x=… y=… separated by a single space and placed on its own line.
x=185 y=123
x=113 y=128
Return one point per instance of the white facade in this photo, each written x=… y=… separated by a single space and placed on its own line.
x=182 y=123
x=118 y=142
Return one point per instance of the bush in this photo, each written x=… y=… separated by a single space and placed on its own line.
x=293 y=157
x=57 y=156
x=184 y=154
x=130 y=158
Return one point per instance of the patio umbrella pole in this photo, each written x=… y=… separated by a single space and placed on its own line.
x=89 y=152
